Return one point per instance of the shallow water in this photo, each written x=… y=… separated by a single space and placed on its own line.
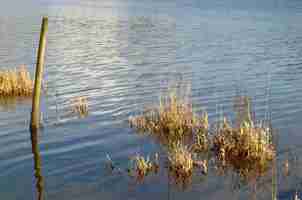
x=122 y=55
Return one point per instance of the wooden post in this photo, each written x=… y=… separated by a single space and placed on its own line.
x=35 y=113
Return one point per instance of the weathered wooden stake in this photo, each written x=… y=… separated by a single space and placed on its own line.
x=35 y=113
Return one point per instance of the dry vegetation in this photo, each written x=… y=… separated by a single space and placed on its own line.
x=79 y=106
x=201 y=142
x=173 y=120
x=180 y=164
x=16 y=83
x=174 y=123
x=247 y=149
x=244 y=147
x=141 y=166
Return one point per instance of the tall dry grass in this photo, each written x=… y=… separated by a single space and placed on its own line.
x=141 y=167
x=16 y=83
x=243 y=145
x=172 y=120
x=180 y=164
x=248 y=149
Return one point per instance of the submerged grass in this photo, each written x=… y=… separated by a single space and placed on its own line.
x=16 y=83
x=79 y=106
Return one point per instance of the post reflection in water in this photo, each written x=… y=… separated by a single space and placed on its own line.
x=37 y=163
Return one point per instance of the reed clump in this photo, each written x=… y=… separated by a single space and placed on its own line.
x=142 y=167
x=201 y=142
x=79 y=106
x=248 y=148
x=245 y=147
x=16 y=83
x=180 y=163
x=172 y=120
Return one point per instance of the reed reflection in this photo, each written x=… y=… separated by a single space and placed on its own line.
x=37 y=164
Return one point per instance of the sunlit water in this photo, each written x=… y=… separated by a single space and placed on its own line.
x=122 y=55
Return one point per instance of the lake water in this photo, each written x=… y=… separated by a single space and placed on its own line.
x=121 y=55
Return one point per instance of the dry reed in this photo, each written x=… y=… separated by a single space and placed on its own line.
x=248 y=148
x=79 y=106
x=180 y=164
x=245 y=147
x=172 y=120
x=142 y=167
x=16 y=83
